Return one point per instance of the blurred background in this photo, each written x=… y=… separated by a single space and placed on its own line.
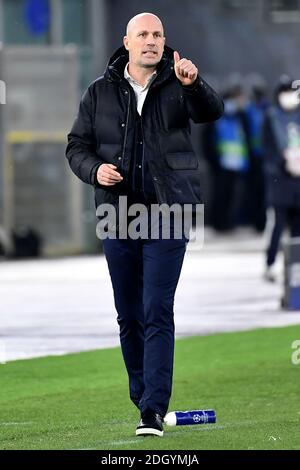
x=50 y=50
x=55 y=294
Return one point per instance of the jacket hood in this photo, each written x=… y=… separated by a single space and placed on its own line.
x=116 y=64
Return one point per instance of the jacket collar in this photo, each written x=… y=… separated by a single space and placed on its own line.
x=117 y=63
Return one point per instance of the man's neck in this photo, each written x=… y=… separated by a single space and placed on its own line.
x=140 y=74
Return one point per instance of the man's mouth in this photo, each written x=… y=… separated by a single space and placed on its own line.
x=150 y=52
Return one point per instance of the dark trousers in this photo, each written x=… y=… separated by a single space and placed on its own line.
x=144 y=275
x=284 y=216
x=256 y=199
x=228 y=200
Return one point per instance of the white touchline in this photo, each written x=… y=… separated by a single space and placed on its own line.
x=16 y=424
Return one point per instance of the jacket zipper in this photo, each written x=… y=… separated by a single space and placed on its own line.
x=154 y=178
x=126 y=130
x=143 y=154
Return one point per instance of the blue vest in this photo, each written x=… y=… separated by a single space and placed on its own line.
x=231 y=144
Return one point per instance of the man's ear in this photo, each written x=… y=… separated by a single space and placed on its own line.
x=125 y=42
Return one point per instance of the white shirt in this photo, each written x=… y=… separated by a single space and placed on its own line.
x=139 y=90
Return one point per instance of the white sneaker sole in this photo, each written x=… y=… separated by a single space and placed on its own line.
x=149 y=432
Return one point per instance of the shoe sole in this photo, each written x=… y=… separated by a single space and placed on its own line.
x=149 y=432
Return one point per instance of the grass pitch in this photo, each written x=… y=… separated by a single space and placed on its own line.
x=80 y=401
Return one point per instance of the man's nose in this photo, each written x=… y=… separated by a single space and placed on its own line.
x=151 y=40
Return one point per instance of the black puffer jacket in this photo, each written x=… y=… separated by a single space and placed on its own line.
x=103 y=131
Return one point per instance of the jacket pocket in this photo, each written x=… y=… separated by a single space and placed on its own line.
x=182 y=161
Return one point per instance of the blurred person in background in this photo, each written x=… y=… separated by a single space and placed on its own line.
x=281 y=142
x=225 y=148
x=132 y=137
x=27 y=242
x=255 y=112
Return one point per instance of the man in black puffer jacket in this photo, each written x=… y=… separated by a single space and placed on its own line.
x=132 y=138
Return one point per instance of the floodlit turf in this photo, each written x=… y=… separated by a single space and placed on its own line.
x=80 y=401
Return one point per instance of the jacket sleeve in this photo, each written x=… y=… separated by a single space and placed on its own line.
x=203 y=103
x=81 y=148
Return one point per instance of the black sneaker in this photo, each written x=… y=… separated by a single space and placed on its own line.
x=150 y=425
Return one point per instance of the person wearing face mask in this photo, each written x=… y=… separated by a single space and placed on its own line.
x=281 y=143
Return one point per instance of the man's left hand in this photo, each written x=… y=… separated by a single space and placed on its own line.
x=185 y=70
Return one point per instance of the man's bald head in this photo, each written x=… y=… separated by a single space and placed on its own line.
x=138 y=19
x=144 y=41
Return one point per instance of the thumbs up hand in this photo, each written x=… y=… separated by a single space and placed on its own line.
x=185 y=70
